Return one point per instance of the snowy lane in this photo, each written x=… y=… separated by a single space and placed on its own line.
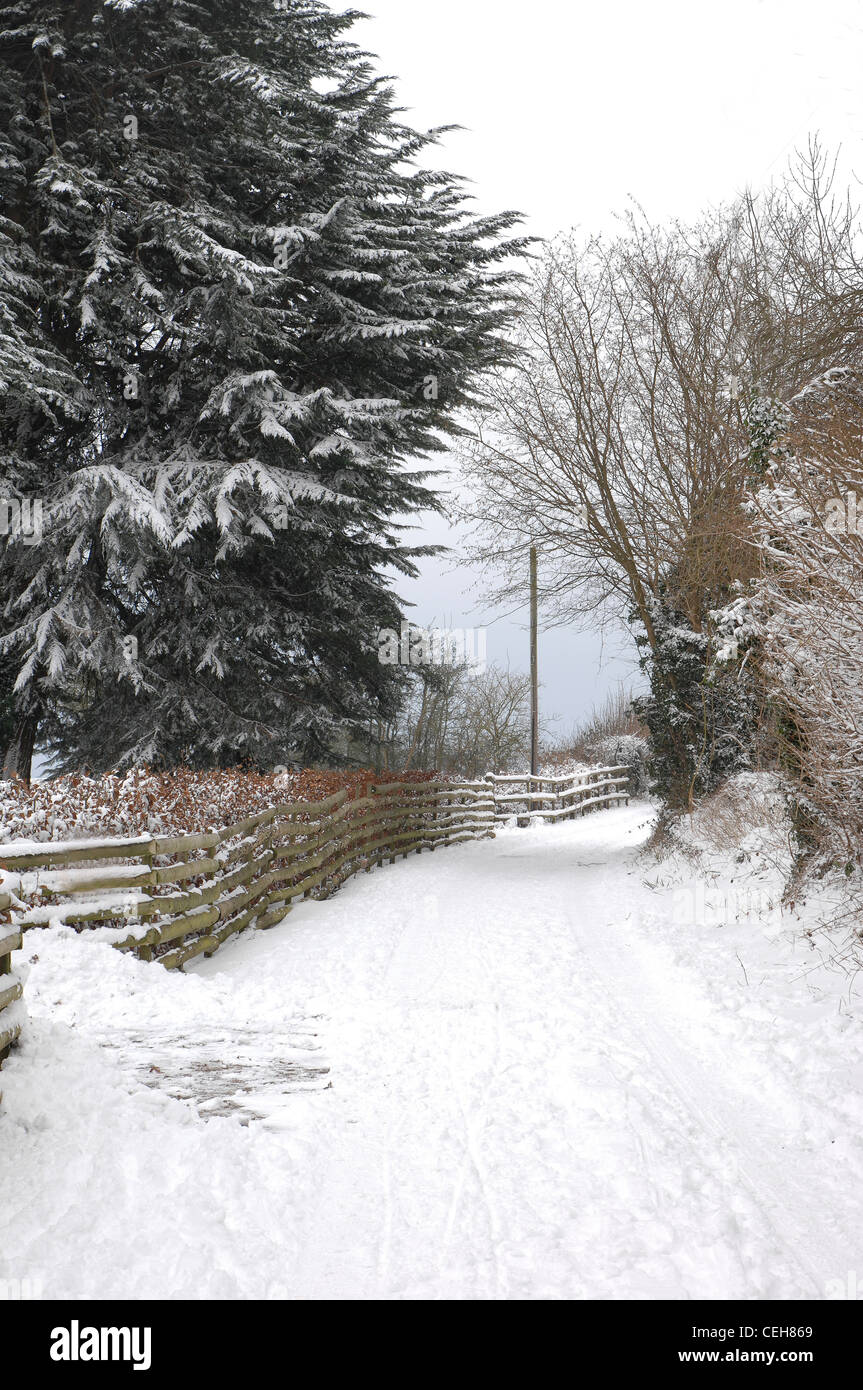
x=543 y=1105
x=536 y=1086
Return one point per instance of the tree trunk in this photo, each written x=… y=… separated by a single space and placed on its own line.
x=19 y=755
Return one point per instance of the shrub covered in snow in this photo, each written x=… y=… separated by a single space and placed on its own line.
x=631 y=750
x=702 y=715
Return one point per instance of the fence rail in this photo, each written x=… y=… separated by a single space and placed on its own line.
x=174 y=897
x=558 y=798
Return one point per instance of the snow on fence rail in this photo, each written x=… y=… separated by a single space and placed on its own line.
x=173 y=897
x=10 y=989
x=573 y=795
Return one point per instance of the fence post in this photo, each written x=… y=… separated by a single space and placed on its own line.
x=10 y=989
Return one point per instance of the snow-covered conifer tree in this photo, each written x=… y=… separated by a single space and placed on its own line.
x=238 y=310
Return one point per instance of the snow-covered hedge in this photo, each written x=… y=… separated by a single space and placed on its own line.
x=162 y=803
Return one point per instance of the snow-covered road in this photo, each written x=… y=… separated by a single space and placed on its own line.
x=499 y=1071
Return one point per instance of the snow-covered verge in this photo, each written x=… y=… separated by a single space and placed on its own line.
x=746 y=823
x=515 y=1069
x=164 y=803
x=740 y=856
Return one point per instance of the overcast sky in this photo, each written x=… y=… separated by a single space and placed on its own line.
x=570 y=109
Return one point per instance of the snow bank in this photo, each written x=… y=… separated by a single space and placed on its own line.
x=746 y=822
x=146 y=1198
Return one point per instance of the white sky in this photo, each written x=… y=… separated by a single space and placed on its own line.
x=572 y=108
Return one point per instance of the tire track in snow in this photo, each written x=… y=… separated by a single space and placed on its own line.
x=473 y=1126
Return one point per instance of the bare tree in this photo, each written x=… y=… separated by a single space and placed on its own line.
x=619 y=442
x=492 y=730
x=458 y=719
x=430 y=712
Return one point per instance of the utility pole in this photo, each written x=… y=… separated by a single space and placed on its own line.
x=534 y=676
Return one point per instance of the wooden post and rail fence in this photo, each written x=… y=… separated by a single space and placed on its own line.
x=559 y=798
x=173 y=897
